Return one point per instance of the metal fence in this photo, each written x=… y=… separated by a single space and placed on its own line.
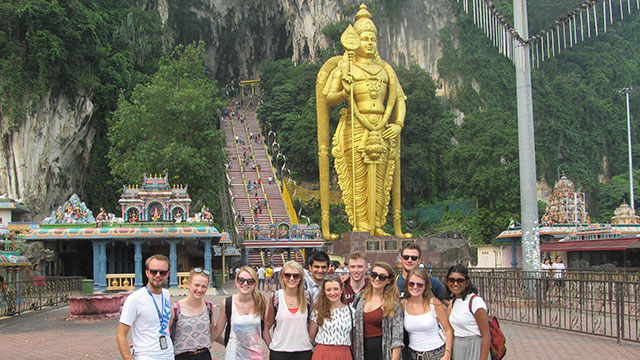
x=19 y=296
x=606 y=304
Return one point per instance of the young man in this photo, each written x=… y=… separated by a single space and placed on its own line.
x=410 y=256
x=146 y=313
x=318 y=267
x=356 y=281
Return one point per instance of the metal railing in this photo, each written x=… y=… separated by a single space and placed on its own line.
x=19 y=296
x=598 y=303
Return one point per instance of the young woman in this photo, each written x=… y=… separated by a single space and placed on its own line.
x=331 y=323
x=247 y=312
x=378 y=317
x=288 y=308
x=422 y=313
x=468 y=317
x=194 y=325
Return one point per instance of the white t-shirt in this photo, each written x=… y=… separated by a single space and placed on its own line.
x=558 y=268
x=140 y=313
x=261 y=273
x=546 y=270
x=462 y=320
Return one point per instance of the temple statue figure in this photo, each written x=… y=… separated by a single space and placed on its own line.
x=366 y=143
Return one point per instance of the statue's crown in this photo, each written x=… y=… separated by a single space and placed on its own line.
x=363 y=21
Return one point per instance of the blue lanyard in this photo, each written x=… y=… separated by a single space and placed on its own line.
x=163 y=326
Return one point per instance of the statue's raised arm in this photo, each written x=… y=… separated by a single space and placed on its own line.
x=366 y=144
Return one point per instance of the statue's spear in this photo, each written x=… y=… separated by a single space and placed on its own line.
x=350 y=40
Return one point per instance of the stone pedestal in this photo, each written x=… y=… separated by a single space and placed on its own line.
x=436 y=251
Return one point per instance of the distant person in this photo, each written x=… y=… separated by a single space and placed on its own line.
x=546 y=269
x=268 y=275
x=147 y=312
x=559 y=271
x=318 y=265
x=261 y=277
x=192 y=321
x=356 y=281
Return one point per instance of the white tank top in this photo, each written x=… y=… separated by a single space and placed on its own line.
x=423 y=330
x=291 y=332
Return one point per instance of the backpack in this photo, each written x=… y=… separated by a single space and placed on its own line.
x=228 y=302
x=176 y=313
x=498 y=341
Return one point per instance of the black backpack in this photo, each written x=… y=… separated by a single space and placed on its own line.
x=228 y=302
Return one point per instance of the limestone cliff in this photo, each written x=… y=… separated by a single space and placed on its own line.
x=45 y=159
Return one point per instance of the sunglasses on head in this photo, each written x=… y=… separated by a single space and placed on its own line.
x=161 y=272
x=412 y=257
x=249 y=281
x=458 y=281
x=381 y=277
x=291 y=276
x=201 y=271
x=416 y=285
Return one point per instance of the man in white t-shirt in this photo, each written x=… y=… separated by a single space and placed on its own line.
x=146 y=312
x=558 y=268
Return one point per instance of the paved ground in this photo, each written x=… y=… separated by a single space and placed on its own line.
x=47 y=334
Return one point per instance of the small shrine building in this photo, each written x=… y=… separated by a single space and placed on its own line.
x=154 y=219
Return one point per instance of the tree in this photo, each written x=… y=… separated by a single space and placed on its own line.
x=169 y=125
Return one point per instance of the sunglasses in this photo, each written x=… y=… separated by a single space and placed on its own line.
x=458 y=281
x=201 y=271
x=412 y=257
x=381 y=277
x=161 y=272
x=291 y=276
x=249 y=281
x=416 y=285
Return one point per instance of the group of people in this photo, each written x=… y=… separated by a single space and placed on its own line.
x=361 y=316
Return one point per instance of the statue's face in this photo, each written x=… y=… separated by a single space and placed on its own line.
x=368 y=44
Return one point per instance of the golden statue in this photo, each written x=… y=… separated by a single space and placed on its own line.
x=366 y=151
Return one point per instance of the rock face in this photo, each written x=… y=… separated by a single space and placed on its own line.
x=246 y=33
x=46 y=158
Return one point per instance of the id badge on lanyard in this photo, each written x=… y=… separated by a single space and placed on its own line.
x=163 y=338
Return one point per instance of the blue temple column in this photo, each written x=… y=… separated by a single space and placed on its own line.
x=96 y=260
x=207 y=257
x=137 y=257
x=101 y=278
x=514 y=254
x=173 y=264
x=111 y=259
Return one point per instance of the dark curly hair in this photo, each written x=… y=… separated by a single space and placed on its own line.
x=462 y=270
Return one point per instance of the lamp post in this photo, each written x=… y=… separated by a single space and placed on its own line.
x=626 y=91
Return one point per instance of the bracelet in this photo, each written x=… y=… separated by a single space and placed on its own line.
x=445 y=350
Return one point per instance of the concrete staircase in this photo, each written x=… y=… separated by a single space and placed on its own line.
x=250 y=184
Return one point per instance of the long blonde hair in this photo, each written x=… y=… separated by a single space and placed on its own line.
x=427 y=294
x=259 y=305
x=302 y=300
x=390 y=294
